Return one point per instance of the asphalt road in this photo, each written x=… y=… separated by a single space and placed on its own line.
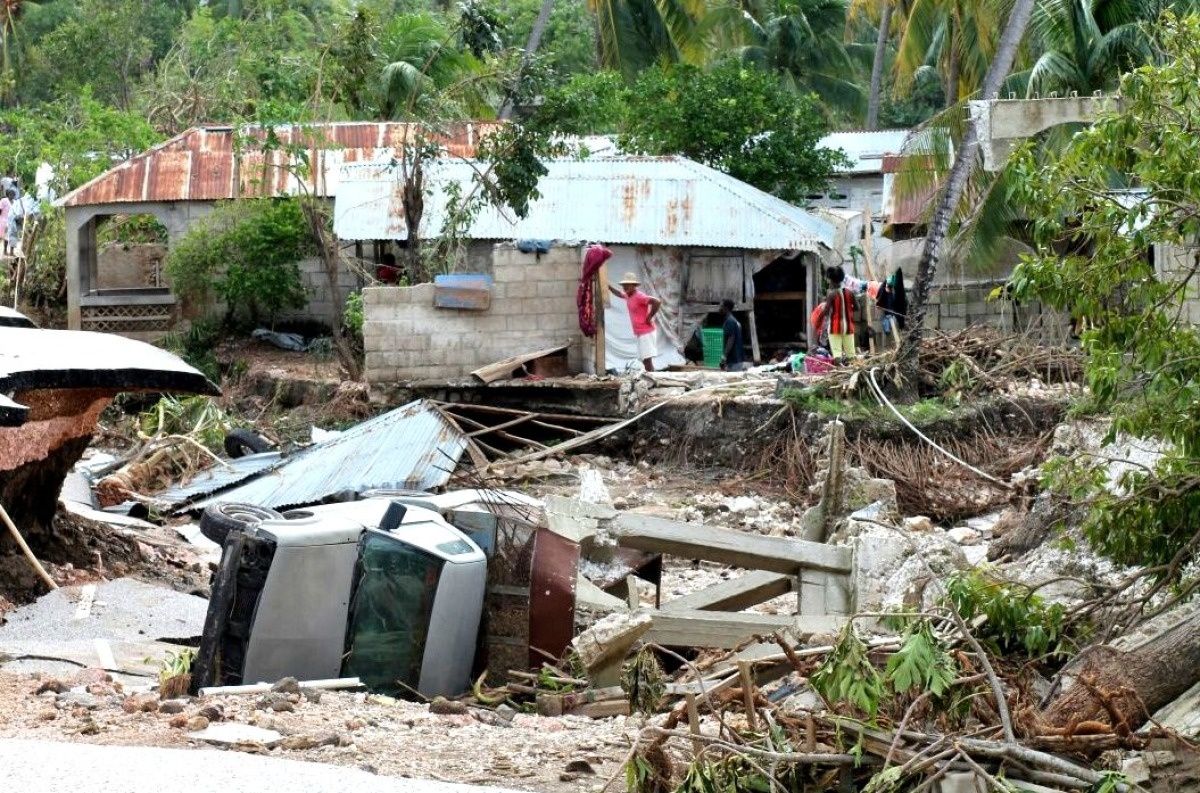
x=50 y=767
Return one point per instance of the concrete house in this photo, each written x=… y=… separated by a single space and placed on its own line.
x=861 y=184
x=693 y=235
x=123 y=289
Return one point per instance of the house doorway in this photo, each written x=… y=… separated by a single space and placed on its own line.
x=781 y=300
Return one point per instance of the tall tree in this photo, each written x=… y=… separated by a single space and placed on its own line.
x=635 y=34
x=804 y=41
x=873 y=99
x=964 y=163
x=954 y=37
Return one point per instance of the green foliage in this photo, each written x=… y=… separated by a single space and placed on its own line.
x=78 y=135
x=175 y=664
x=195 y=345
x=593 y=103
x=198 y=417
x=922 y=663
x=1017 y=621
x=568 y=45
x=847 y=675
x=352 y=316
x=735 y=118
x=814 y=400
x=1094 y=260
x=247 y=253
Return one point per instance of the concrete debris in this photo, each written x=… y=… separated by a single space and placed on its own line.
x=609 y=641
x=231 y=733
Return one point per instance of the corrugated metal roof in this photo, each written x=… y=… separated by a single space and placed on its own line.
x=412 y=447
x=199 y=164
x=669 y=201
x=865 y=149
x=218 y=478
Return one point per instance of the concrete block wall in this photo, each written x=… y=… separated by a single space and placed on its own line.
x=533 y=307
x=955 y=307
x=320 y=298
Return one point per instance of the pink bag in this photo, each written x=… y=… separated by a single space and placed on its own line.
x=817 y=364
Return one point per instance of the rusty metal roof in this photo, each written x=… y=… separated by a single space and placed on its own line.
x=201 y=165
x=671 y=201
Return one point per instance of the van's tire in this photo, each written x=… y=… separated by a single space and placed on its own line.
x=239 y=443
x=218 y=520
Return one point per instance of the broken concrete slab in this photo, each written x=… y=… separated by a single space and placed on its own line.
x=606 y=644
x=231 y=733
x=59 y=382
x=123 y=610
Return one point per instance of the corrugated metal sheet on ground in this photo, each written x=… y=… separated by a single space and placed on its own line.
x=412 y=447
x=199 y=164
x=669 y=201
x=218 y=478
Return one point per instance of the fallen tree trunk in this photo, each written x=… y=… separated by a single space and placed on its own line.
x=1121 y=684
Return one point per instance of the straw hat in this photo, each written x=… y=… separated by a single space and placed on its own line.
x=629 y=278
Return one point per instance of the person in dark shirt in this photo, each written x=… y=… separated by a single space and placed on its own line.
x=732 y=358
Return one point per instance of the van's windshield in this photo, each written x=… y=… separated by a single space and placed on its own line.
x=394 y=588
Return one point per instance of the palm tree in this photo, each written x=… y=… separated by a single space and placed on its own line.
x=423 y=61
x=805 y=42
x=635 y=34
x=964 y=164
x=11 y=12
x=954 y=37
x=876 y=90
x=1085 y=45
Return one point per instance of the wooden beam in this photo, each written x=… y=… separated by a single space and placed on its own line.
x=735 y=594
x=600 y=289
x=504 y=368
x=755 y=350
x=734 y=548
x=725 y=630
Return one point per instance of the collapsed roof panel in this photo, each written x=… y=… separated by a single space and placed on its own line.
x=10 y=318
x=31 y=358
x=412 y=447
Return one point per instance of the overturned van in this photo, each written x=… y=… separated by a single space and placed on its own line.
x=383 y=589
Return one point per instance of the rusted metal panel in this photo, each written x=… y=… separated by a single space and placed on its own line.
x=552 y=596
x=199 y=164
x=911 y=187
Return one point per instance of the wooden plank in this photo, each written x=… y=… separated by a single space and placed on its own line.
x=788 y=296
x=736 y=594
x=504 y=368
x=734 y=548
x=462 y=291
x=726 y=630
x=755 y=350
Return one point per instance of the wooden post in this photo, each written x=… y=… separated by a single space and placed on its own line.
x=632 y=597
x=748 y=693
x=755 y=351
x=600 y=288
x=694 y=723
x=868 y=259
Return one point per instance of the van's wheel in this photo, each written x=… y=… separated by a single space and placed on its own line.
x=218 y=520
x=240 y=442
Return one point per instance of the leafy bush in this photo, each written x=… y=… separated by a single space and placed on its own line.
x=195 y=345
x=1017 y=620
x=246 y=252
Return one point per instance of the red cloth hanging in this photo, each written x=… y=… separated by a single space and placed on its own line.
x=585 y=297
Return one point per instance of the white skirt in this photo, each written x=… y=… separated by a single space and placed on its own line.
x=647 y=346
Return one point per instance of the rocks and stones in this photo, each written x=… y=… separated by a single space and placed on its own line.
x=579 y=767
x=172 y=706
x=447 y=707
x=140 y=703
x=313 y=695
x=919 y=524
x=964 y=535
x=288 y=685
x=212 y=712
x=604 y=646
x=197 y=724
x=303 y=742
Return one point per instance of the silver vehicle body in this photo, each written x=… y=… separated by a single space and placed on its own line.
x=302 y=618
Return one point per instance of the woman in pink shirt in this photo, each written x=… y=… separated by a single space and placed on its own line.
x=5 y=213
x=642 y=308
